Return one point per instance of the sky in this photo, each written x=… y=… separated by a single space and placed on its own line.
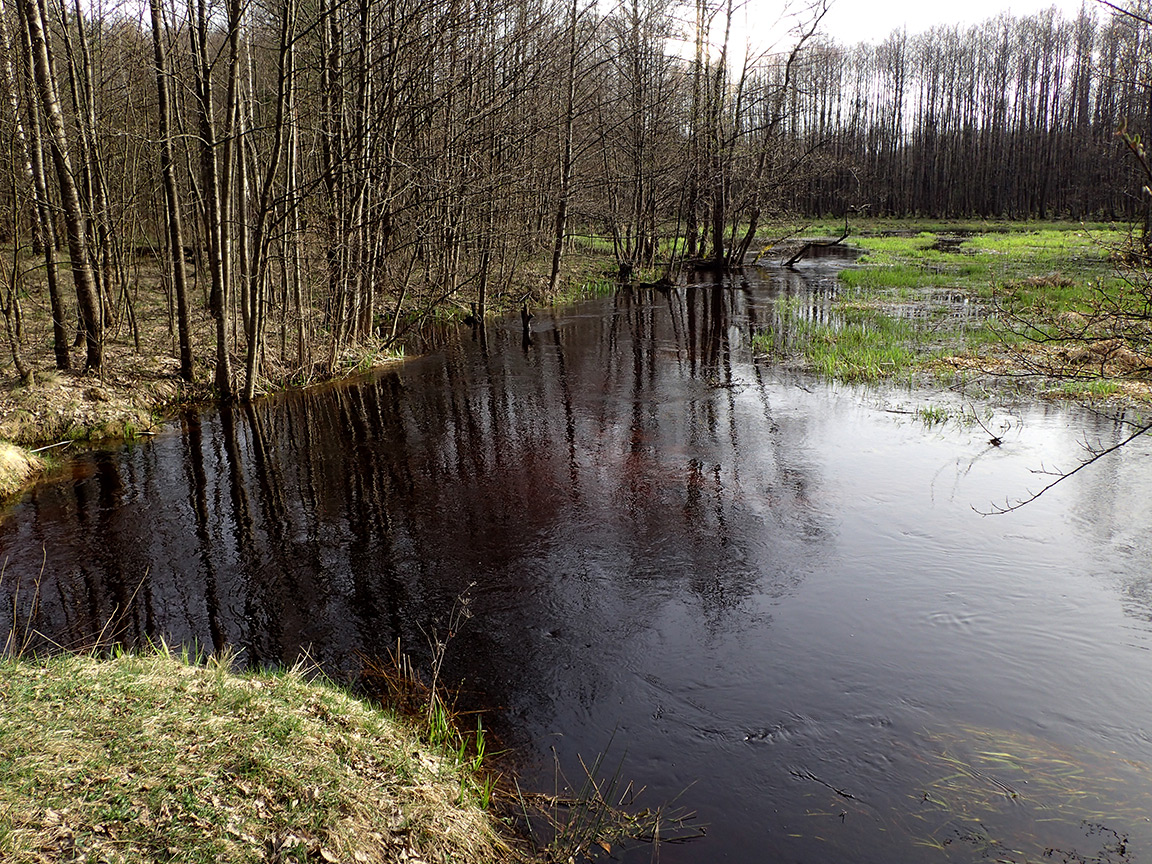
x=851 y=21
x=769 y=25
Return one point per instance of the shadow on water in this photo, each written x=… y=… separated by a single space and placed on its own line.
x=744 y=581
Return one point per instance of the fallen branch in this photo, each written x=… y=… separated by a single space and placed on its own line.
x=816 y=244
x=51 y=446
x=1099 y=454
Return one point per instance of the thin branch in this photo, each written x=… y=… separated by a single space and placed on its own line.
x=1126 y=12
x=997 y=510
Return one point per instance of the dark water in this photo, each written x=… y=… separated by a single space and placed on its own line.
x=772 y=597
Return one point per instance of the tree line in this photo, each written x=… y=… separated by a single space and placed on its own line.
x=1014 y=117
x=316 y=175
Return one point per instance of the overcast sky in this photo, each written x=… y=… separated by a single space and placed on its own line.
x=851 y=21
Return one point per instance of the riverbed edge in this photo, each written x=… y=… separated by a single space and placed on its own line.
x=73 y=409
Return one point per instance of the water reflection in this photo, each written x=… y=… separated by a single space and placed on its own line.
x=341 y=521
x=750 y=584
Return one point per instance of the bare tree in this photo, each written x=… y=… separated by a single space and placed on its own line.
x=31 y=158
x=173 y=221
x=35 y=19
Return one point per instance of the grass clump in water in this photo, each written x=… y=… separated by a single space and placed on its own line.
x=865 y=348
x=933 y=415
x=854 y=344
x=146 y=757
x=1090 y=388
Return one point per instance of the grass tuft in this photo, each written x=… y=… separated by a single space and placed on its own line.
x=17 y=467
x=933 y=415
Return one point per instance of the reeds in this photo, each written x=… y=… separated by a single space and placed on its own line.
x=575 y=823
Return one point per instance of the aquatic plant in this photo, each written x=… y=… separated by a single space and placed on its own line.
x=854 y=344
x=988 y=794
x=933 y=415
x=1094 y=388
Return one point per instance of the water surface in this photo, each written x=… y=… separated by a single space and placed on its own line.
x=771 y=598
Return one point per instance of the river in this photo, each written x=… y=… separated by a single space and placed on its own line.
x=771 y=600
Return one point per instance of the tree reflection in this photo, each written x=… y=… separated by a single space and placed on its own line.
x=627 y=462
x=631 y=496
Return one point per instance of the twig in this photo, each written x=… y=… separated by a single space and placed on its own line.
x=1008 y=508
x=808 y=775
x=461 y=611
x=50 y=446
x=993 y=439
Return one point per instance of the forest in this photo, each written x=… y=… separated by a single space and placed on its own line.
x=273 y=185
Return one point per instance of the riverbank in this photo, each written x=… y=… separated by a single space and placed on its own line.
x=139 y=387
x=938 y=302
x=17 y=467
x=146 y=757
x=39 y=422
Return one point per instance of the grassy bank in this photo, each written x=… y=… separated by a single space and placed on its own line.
x=151 y=758
x=1025 y=301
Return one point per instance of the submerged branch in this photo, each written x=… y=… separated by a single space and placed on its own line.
x=816 y=244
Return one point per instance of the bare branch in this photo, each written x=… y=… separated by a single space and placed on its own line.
x=997 y=510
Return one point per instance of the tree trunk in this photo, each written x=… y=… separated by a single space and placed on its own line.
x=44 y=234
x=213 y=207
x=565 y=158
x=69 y=196
x=173 y=222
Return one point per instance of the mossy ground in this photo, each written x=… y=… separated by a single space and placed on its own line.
x=148 y=757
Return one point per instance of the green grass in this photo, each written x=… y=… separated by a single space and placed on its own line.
x=981 y=263
x=598 y=285
x=933 y=415
x=866 y=347
x=151 y=757
x=898 y=279
x=922 y=292
x=1094 y=388
x=890 y=225
x=857 y=344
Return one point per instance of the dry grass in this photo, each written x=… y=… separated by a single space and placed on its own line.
x=17 y=467
x=134 y=386
x=151 y=758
